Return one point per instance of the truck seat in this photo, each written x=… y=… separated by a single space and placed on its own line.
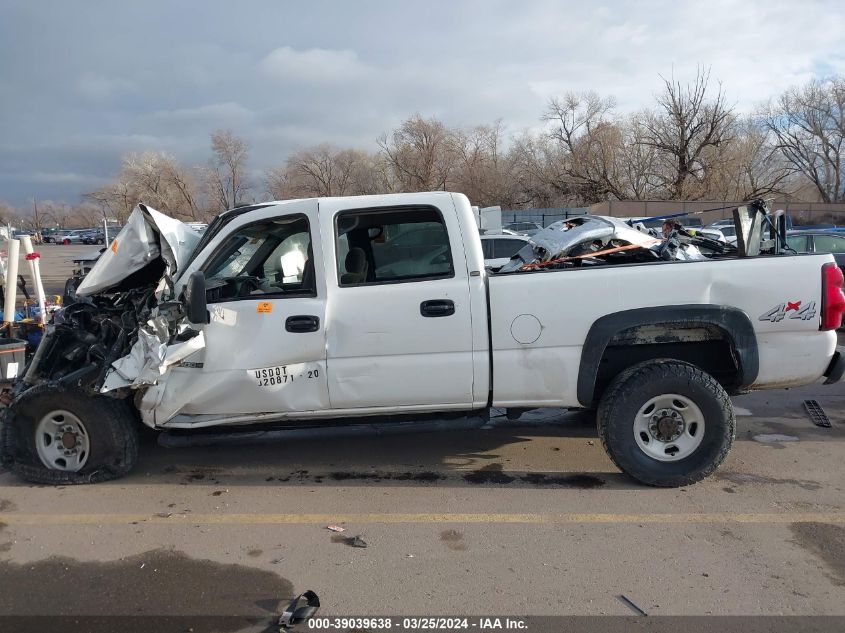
x=356 y=267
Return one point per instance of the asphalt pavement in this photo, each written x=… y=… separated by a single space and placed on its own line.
x=527 y=517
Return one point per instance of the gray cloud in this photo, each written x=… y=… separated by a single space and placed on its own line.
x=82 y=83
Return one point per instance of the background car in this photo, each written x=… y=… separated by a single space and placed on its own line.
x=818 y=242
x=70 y=237
x=499 y=248
x=96 y=236
x=523 y=227
x=726 y=228
x=49 y=235
x=719 y=224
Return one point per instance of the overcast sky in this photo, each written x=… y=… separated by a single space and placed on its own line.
x=83 y=82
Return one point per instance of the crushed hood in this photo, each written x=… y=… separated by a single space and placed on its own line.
x=149 y=237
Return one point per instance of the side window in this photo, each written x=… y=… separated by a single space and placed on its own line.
x=507 y=248
x=829 y=244
x=797 y=242
x=265 y=258
x=382 y=246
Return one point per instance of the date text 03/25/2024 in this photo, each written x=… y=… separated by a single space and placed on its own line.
x=418 y=623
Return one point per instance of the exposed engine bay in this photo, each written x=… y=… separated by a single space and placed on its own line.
x=125 y=320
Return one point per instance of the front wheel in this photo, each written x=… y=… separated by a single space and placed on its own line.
x=56 y=436
x=666 y=423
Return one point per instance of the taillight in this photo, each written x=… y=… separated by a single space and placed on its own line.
x=833 y=299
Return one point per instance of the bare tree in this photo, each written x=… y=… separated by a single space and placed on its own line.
x=748 y=167
x=227 y=175
x=420 y=154
x=582 y=126
x=7 y=212
x=154 y=178
x=57 y=214
x=325 y=170
x=538 y=179
x=809 y=126
x=685 y=124
x=484 y=170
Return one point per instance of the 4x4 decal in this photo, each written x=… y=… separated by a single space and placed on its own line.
x=792 y=309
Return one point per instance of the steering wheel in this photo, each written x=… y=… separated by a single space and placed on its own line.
x=244 y=284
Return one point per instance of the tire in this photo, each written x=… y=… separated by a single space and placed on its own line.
x=649 y=445
x=111 y=436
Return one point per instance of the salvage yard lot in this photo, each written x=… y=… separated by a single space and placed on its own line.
x=57 y=264
x=455 y=522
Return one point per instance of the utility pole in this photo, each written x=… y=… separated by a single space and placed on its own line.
x=35 y=208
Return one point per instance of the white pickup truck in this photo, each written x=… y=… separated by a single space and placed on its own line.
x=296 y=312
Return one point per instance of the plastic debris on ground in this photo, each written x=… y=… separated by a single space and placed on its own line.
x=335 y=528
x=300 y=609
x=817 y=414
x=632 y=604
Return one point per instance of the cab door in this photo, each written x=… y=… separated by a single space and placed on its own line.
x=400 y=326
x=265 y=344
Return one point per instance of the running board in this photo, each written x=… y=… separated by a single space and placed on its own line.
x=173 y=439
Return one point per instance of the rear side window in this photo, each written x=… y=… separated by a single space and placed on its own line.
x=390 y=246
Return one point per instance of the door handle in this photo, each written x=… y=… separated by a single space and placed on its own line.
x=302 y=323
x=437 y=308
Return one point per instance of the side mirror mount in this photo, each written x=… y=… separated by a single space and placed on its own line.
x=196 y=307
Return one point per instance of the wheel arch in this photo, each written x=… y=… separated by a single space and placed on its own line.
x=621 y=339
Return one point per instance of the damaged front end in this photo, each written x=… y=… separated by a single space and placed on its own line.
x=592 y=240
x=120 y=332
x=123 y=332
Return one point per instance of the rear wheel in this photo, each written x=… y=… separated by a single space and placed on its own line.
x=56 y=436
x=666 y=423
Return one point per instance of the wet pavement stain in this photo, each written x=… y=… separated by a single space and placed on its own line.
x=493 y=473
x=7 y=545
x=454 y=540
x=255 y=552
x=745 y=478
x=827 y=543
x=568 y=481
x=154 y=583
x=7 y=506
x=490 y=474
x=378 y=476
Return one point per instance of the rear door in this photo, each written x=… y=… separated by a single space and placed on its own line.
x=265 y=346
x=399 y=322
